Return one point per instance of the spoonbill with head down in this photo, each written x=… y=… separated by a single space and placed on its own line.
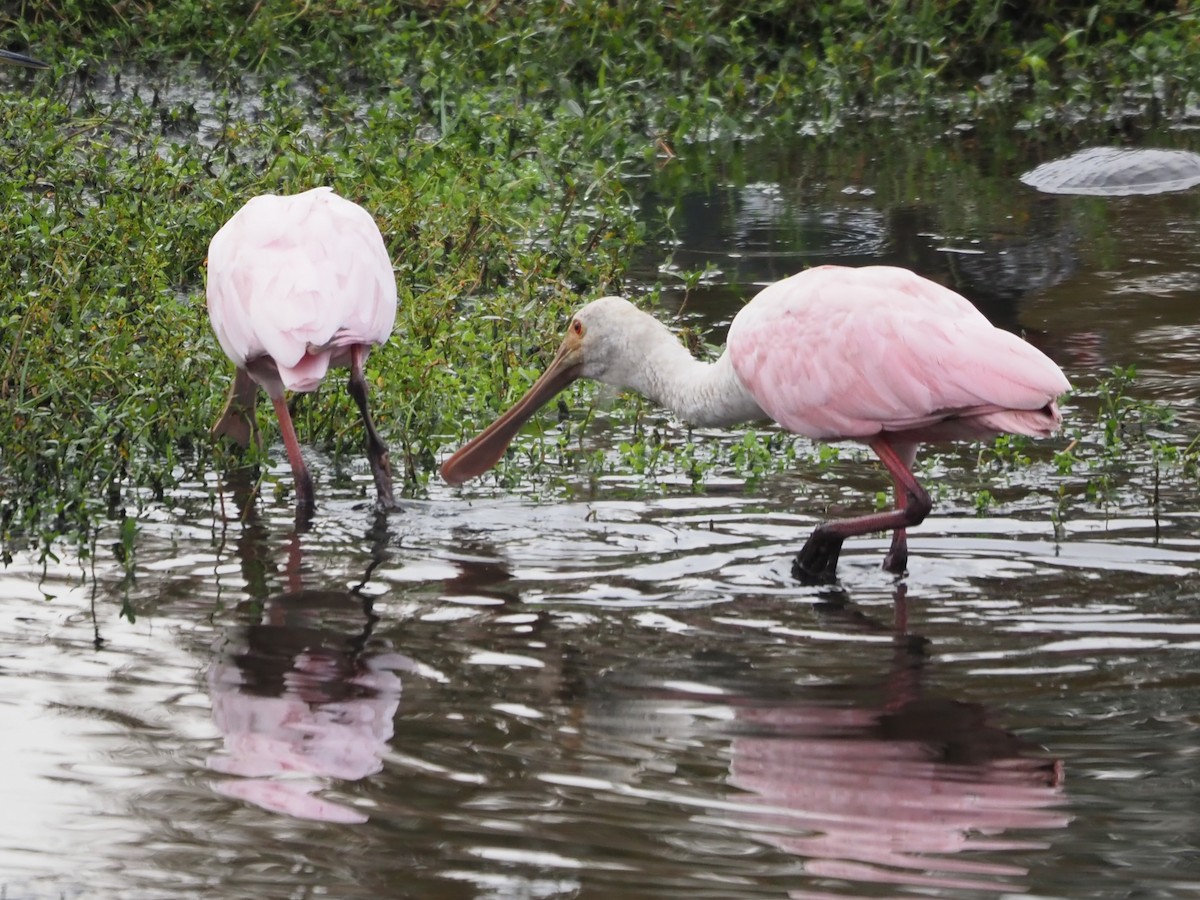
x=298 y=285
x=875 y=354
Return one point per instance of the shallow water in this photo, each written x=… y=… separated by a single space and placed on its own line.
x=623 y=692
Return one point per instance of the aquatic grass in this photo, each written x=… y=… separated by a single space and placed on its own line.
x=687 y=67
x=1118 y=452
x=1131 y=445
x=109 y=367
x=496 y=146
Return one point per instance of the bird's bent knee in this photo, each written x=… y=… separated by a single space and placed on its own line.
x=917 y=505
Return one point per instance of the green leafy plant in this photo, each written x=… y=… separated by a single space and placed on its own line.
x=497 y=146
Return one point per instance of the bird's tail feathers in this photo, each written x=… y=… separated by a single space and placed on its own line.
x=307 y=373
x=1039 y=423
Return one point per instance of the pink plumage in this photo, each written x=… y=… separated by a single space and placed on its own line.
x=299 y=279
x=298 y=285
x=837 y=353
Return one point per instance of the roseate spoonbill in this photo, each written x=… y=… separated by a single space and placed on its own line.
x=20 y=59
x=297 y=285
x=875 y=354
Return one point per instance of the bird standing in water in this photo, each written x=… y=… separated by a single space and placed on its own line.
x=876 y=354
x=298 y=285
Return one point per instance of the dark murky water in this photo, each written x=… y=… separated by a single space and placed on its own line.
x=625 y=694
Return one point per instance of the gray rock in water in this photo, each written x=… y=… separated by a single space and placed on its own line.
x=1117 y=172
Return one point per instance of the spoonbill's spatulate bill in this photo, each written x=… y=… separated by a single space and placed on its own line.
x=20 y=59
x=298 y=285
x=875 y=354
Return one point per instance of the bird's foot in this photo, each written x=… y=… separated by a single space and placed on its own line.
x=816 y=563
x=306 y=504
x=895 y=564
x=306 y=511
x=381 y=468
x=896 y=559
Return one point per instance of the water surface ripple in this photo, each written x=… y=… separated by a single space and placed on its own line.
x=618 y=690
x=503 y=698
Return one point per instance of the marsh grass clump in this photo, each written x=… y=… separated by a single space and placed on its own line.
x=109 y=372
x=1118 y=451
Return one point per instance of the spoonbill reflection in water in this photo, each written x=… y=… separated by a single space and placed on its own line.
x=875 y=354
x=298 y=285
x=302 y=689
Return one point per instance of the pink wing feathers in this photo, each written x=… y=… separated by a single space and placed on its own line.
x=297 y=277
x=881 y=349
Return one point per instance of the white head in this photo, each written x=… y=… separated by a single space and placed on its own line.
x=604 y=340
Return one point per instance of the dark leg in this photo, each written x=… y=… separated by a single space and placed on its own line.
x=377 y=453
x=304 y=488
x=816 y=563
x=237 y=421
x=896 y=559
x=817 y=560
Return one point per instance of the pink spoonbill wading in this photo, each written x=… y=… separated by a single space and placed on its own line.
x=876 y=354
x=298 y=285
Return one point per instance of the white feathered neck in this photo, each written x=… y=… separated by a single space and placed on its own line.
x=631 y=349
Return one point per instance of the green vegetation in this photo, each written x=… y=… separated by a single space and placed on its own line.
x=495 y=143
x=1138 y=445
x=676 y=64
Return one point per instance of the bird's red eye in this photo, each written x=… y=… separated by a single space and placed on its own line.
x=577 y=327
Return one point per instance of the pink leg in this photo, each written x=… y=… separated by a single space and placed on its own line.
x=896 y=559
x=377 y=453
x=817 y=560
x=304 y=488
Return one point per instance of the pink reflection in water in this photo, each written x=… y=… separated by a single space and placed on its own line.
x=894 y=795
x=300 y=702
x=862 y=801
